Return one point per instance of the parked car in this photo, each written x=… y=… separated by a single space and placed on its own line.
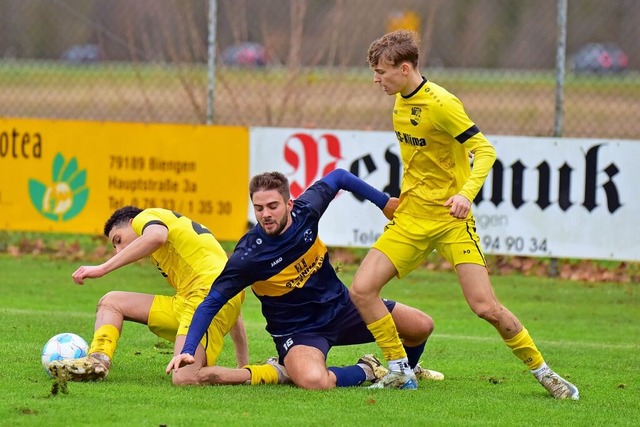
x=83 y=53
x=600 y=58
x=245 y=55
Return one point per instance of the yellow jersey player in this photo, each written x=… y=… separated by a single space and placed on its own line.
x=435 y=136
x=190 y=258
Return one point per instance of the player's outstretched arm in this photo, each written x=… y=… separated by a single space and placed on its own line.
x=340 y=179
x=153 y=237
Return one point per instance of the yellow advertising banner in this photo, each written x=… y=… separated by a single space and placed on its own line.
x=68 y=176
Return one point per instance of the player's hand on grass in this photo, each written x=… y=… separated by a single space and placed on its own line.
x=459 y=206
x=87 y=272
x=390 y=208
x=179 y=361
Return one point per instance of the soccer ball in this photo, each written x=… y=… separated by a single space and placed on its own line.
x=63 y=346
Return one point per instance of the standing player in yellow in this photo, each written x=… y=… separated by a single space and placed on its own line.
x=190 y=258
x=435 y=136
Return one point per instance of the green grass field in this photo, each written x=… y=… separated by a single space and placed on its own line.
x=589 y=333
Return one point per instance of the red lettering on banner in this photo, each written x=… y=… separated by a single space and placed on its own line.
x=309 y=164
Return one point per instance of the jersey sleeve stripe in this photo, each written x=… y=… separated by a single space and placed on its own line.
x=464 y=136
x=154 y=222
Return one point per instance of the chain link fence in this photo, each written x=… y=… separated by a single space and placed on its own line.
x=301 y=63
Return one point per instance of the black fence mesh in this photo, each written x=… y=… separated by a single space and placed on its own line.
x=301 y=63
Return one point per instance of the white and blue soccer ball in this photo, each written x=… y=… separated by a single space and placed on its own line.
x=63 y=346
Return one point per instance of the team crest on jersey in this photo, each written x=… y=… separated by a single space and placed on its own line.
x=308 y=236
x=415 y=115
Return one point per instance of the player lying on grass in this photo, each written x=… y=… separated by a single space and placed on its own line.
x=435 y=136
x=306 y=306
x=190 y=258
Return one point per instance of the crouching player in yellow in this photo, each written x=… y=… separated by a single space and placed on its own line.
x=190 y=258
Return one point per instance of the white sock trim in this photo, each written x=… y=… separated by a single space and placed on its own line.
x=399 y=365
x=541 y=371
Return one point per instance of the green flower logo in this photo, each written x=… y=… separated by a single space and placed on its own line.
x=66 y=196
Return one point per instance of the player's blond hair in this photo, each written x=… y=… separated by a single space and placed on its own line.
x=394 y=48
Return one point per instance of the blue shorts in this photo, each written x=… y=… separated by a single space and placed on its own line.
x=347 y=328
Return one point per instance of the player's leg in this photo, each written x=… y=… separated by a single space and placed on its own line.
x=414 y=328
x=200 y=374
x=307 y=368
x=479 y=294
x=374 y=272
x=468 y=260
x=399 y=250
x=113 y=309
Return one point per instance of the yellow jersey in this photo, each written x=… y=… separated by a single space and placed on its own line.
x=435 y=136
x=191 y=258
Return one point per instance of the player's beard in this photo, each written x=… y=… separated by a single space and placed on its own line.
x=282 y=224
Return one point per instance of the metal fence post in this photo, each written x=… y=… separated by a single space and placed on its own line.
x=561 y=47
x=211 y=65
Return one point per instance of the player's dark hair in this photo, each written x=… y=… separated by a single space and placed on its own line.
x=395 y=48
x=120 y=217
x=270 y=181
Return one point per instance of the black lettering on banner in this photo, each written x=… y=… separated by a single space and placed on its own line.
x=591 y=178
x=515 y=244
x=517 y=186
x=394 y=166
x=544 y=184
x=224 y=207
x=16 y=145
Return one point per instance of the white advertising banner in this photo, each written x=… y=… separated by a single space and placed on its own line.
x=550 y=197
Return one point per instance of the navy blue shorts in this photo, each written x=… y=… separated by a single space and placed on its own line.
x=347 y=328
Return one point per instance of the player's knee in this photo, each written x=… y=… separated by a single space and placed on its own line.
x=487 y=311
x=360 y=295
x=108 y=301
x=418 y=330
x=313 y=380
x=425 y=325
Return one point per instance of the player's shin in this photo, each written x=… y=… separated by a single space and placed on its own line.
x=348 y=376
x=386 y=335
x=524 y=348
x=105 y=340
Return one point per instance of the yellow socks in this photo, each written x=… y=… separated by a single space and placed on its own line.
x=523 y=347
x=105 y=340
x=386 y=335
x=262 y=374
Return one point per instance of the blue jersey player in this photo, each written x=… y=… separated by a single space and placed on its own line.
x=306 y=306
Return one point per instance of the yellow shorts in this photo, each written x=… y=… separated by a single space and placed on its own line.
x=407 y=241
x=171 y=315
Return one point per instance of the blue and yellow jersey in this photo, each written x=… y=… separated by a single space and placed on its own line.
x=191 y=258
x=436 y=136
x=290 y=273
